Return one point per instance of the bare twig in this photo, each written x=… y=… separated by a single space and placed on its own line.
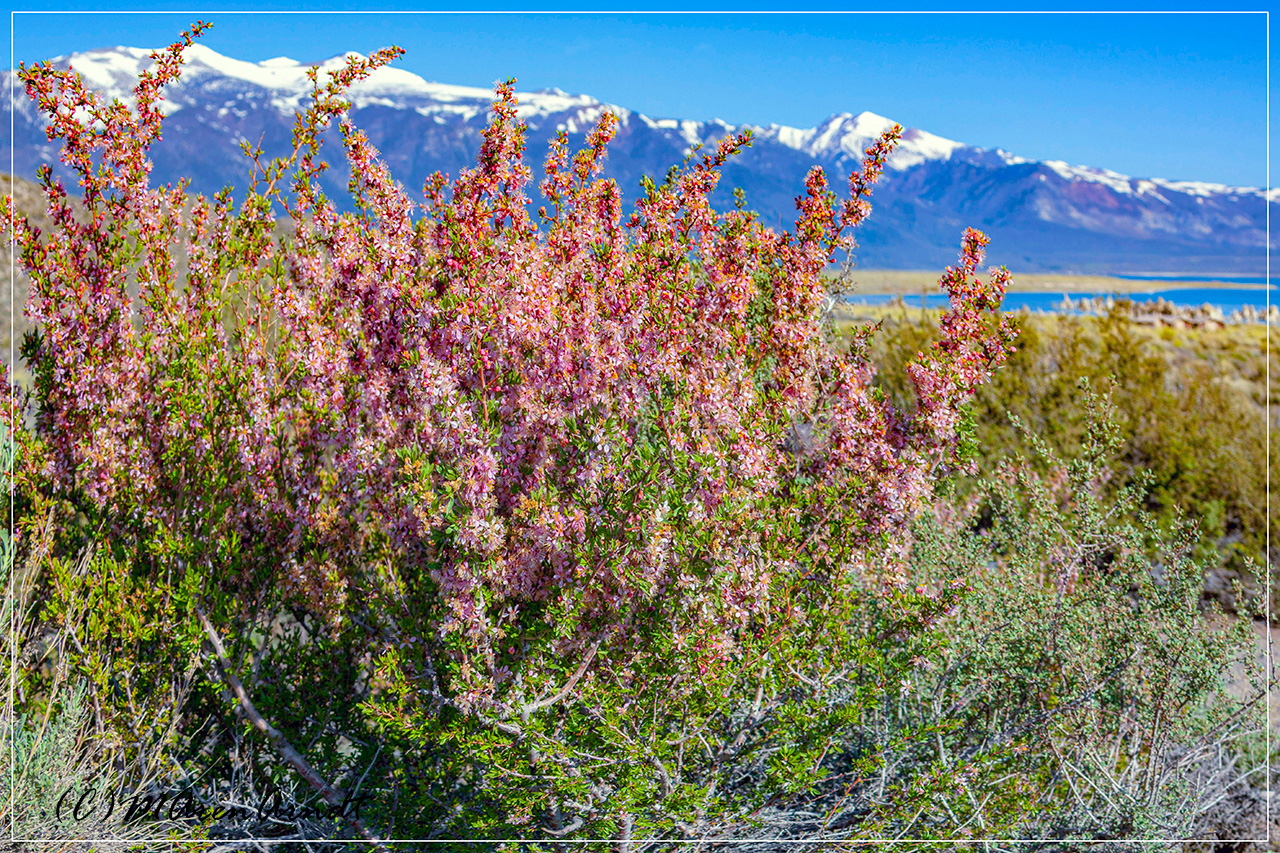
x=292 y=757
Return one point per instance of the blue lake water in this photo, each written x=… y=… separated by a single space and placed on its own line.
x=1226 y=298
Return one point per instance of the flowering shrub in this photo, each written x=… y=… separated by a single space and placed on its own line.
x=528 y=464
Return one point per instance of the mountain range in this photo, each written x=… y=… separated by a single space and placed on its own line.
x=1041 y=215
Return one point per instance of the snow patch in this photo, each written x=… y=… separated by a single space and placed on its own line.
x=870 y=124
x=850 y=135
x=282 y=83
x=927 y=145
x=1151 y=186
x=115 y=72
x=792 y=137
x=1113 y=180
x=1147 y=187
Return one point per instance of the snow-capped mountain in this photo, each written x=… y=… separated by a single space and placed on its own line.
x=1040 y=214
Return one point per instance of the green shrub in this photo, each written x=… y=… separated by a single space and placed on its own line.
x=1086 y=653
x=1190 y=425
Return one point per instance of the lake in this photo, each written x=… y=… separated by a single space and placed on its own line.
x=1226 y=298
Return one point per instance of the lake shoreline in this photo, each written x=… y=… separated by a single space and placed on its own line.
x=914 y=282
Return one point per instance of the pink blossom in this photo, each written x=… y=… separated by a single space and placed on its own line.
x=477 y=412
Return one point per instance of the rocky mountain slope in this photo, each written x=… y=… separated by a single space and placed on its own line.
x=1041 y=215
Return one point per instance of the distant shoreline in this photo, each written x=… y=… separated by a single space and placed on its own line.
x=914 y=282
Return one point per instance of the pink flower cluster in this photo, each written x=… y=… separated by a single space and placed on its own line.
x=477 y=410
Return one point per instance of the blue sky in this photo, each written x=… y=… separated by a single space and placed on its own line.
x=1180 y=96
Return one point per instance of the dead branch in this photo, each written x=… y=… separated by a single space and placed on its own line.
x=333 y=796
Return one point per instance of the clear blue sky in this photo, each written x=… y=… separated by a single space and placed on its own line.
x=1180 y=96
